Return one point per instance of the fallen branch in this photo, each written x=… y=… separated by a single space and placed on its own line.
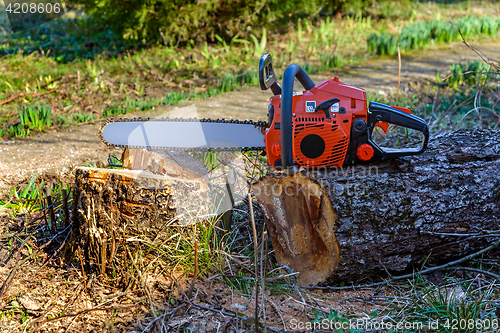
x=12 y=98
x=477 y=270
x=24 y=95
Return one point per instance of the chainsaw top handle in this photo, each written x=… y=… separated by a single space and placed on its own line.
x=293 y=71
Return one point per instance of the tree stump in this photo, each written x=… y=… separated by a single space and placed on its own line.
x=155 y=191
x=352 y=223
x=110 y=206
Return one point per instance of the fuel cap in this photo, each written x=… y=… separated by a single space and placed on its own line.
x=365 y=152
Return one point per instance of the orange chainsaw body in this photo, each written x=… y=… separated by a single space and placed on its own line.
x=327 y=124
x=331 y=149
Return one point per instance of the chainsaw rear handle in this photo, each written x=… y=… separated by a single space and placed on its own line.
x=293 y=71
x=380 y=112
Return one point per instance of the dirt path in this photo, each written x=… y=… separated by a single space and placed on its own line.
x=59 y=150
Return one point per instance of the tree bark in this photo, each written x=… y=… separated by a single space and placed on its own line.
x=365 y=221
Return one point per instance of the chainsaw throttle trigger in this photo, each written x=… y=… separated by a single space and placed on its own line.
x=325 y=106
x=387 y=114
x=385 y=125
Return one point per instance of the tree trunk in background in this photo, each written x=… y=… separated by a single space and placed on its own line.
x=353 y=223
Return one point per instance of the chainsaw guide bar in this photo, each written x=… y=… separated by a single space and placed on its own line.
x=153 y=134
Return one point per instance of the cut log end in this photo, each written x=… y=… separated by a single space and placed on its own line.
x=300 y=220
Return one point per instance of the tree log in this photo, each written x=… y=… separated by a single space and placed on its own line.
x=365 y=221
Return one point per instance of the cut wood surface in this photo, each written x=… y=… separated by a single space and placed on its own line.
x=177 y=164
x=362 y=222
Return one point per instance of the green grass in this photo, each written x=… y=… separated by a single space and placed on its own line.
x=455 y=305
x=466 y=98
x=23 y=200
x=38 y=116
x=35 y=116
x=420 y=35
x=471 y=73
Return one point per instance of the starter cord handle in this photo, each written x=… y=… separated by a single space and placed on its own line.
x=293 y=71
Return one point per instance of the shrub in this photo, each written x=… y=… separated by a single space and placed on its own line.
x=176 y=21
x=173 y=22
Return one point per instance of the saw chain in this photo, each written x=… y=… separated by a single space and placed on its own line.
x=259 y=124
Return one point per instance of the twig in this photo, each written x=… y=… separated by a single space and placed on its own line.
x=7 y=281
x=487 y=233
x=12 y=98
x=477 y=270
x=24 y=95
x=191 y=288
x=395 y=278
x=468 y=72
x=43 y=93
x=262 y=272
x=84 y=277
x=87 y=311
x=399 y=75
x=226 y=312
x=40 y=198
x=479 y=53
x=152 y=322
x=50 y=305
x=256 y=254
x=278 y=312
x=54 y=254
x=65 y=205
x=50 y=206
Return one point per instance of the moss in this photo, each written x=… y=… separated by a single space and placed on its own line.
x=406 y=201
x=497 y=194
x=347 y=212
x=393 y=234
x=444 y=182
x=409 y=220
x=365 y=209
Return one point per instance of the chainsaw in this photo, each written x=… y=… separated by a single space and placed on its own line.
x=325 y=125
